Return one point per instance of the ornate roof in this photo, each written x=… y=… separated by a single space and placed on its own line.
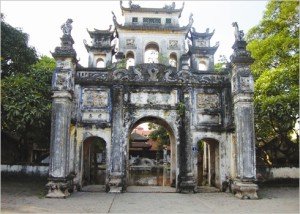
x=98 y=47
x=101 y=33
x=166 y=9
x=154 y=27
x=206 y=34
x=203 y=50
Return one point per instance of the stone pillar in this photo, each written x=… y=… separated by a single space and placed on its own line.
x=60 y=178
x=186 y=180
x=242 y=87
x=116 y=166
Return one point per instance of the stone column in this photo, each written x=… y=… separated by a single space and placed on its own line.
x=186 y=180
x=116 y=167
x=60 y=178
x=242 y=86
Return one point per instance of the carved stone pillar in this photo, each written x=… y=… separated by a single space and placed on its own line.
x=242 y=90
x=116 y=166
x=186 y=180
x=60 y=177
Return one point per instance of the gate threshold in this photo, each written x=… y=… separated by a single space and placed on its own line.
x=150 y=189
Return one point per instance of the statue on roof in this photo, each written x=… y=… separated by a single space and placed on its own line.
x=239 y=34
x=134 y=6
x=67 y=27
x=170 y=7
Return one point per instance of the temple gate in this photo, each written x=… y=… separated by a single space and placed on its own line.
x=156 y=71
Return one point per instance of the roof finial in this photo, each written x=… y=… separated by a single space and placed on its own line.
x=239 y=34
x=191 y=20
x=67 y=27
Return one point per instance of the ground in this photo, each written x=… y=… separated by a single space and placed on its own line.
x=28 y=197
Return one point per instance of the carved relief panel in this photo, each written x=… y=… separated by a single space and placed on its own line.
x=94 y=98
x=173 y=44
x=62 y=80
x=130 y=43
x=95 y=104
x=208 y=101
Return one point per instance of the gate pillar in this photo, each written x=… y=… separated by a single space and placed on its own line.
x=116 y=173
x=242 y=90
x=60 y=179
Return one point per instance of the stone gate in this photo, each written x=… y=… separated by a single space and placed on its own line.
x=156 y=71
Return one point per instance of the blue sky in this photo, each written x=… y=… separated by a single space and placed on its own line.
x=42 y=20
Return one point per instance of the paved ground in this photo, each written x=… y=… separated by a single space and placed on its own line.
x=27 y=197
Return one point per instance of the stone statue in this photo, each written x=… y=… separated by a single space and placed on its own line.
x=239 y=34
x=67 y=27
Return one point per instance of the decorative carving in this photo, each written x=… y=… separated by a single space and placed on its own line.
x=239 y=34
x=208 y=101
x=120 y=74
x=170 y=7
x=184 y=76
x=67 y=27
x=138 y=74
x=62 y=80
x=129 y=42
x=153 y=74
x=173 y=44
x=95 y=98
x=200 y=43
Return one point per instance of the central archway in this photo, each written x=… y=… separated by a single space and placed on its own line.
x=161 y=171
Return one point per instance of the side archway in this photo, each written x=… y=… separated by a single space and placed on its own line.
x=94 y=161
x=208 y=163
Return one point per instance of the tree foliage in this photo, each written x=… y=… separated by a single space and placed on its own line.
x=274 y=44
x=16 y=55
x=26 y=103
x=159 y=134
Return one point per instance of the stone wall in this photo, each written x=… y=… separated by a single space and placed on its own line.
x=25 y=169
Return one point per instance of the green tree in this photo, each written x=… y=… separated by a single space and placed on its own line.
x=16 y=55
x=26 y=105
x=161 y=135
x=274 y=44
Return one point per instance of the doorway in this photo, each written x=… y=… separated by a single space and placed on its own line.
x=151 y=154
x=94 y=161
x=208 y=163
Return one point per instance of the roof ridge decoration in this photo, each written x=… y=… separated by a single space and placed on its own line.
x=137 y=8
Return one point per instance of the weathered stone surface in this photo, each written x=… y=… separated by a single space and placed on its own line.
x=192 y=104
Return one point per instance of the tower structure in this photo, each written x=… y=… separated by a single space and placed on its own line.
x=202 y=54
x=101 y=50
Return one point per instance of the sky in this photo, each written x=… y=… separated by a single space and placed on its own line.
x=42 y=20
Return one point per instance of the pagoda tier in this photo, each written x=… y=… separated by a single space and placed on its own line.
x=203 y=50
x=202 y=54
x=169 y=9
x=100 y=48
x=101 y=40
x=153 y=27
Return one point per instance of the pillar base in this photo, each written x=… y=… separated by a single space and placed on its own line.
x=187 y=183
x=115 y=184
x=244 y=190
x=57 y=189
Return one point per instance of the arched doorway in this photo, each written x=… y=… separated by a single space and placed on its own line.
x=208 y=163
x=94 y=161
x=156 y=164
x=151 y=53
